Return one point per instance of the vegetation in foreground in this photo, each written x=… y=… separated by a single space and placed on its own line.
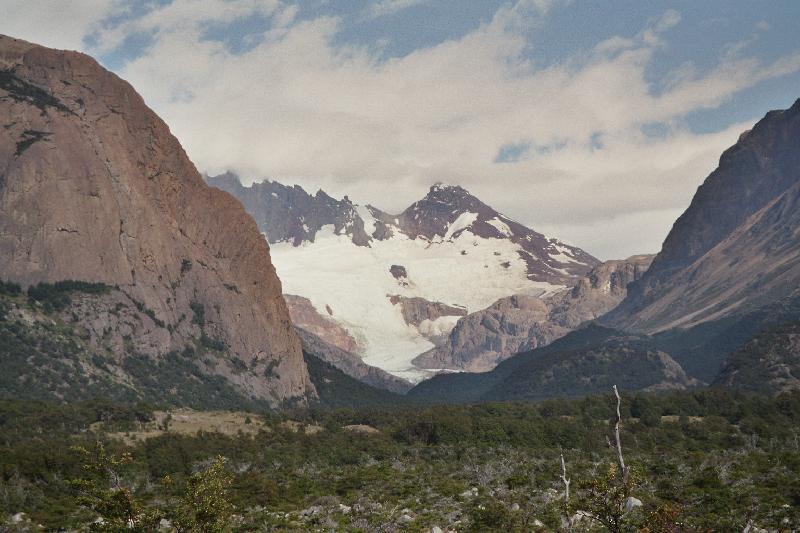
x=697 y=461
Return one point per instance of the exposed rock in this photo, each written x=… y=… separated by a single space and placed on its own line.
x=398 y=272
x=304 y=315
x=290 y=214
x=434 y=320
x=737 y=246
x=360 y=428
x=632 y=503
x=481 y=340
x=96 y=188
x=519 y=323
x=417 y=310
x=351 y=364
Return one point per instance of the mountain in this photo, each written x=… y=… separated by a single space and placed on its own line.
x=337 y=390
x=290 y=214
x=586 y=361
x=399 y=291
x=520 y=323
x=737 y=246
x=767 y=364
x=351 y=364
x=94 y=188
x=719 y=303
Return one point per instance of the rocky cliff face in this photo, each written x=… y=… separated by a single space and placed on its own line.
x=94 y=187
x=519 y=323
x=305 y=315
x=737 y=246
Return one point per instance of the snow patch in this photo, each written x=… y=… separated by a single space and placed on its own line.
x=440 y=327
x=500 y=226
x=463 y=221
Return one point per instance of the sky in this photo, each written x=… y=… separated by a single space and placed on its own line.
x=591 y=121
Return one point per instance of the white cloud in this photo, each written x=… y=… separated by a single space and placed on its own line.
x=299 y=108
x=54 y=23
x=385 y=8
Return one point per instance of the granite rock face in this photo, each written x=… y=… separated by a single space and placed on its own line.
x=93 y=186
x=737 y=246
x=304 y=315
x=519 y=323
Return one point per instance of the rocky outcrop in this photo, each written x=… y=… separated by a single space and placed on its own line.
x=737 y=246
x=351 y=364
x=290 y=214
x=94 y=187
x=434 y=320
x=519 y=323
x=304 y=315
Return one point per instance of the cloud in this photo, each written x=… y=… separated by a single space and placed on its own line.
x=45 y=22
x=562 y=147
x=384 y=8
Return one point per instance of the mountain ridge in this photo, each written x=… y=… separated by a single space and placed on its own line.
x=737 y=245
x=444 y=256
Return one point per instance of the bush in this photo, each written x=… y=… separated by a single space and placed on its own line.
x=56 y=296
x=8 y=288
x=199 y=311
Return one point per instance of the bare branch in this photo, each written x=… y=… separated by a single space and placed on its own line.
x=565 y=479
x=622 y=466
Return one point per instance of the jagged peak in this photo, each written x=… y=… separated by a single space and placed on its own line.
x=439 y=190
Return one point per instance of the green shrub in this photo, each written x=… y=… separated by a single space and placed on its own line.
x=56 y=296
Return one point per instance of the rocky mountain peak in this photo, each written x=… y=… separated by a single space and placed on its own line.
x=736 y=246
x=96 y=188
x=287 y=213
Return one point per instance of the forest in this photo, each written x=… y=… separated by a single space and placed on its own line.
x=706 y=460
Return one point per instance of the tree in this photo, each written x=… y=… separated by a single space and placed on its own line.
x=205 y=507
x=104 y=490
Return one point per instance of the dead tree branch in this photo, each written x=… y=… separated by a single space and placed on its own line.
x=622 y=467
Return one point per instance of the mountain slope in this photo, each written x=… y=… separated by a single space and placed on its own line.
x=337 y=390
x=401 y=292
x=519 y=323
x=351 y=364
x=737 y=246
x=768 y=364
x=585 y=361
x=94 y=187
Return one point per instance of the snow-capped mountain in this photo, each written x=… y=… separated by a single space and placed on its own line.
x=399 y=283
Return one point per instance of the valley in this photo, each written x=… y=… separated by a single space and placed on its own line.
x=188 y=352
